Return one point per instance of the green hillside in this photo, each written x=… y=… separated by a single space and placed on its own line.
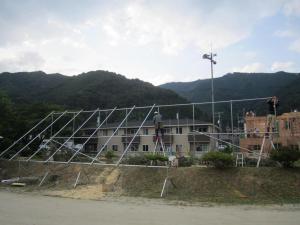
x=25 y=98
x=234 y=86
x=88 y=90
x=243 y=86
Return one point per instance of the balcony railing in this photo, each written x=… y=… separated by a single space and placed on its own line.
x=167 y=139
x=127 y=139
x=198 y=138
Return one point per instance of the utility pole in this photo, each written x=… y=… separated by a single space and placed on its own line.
x=210 y=57
x=219 y=119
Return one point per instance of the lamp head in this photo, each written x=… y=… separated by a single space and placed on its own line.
x=205 y=56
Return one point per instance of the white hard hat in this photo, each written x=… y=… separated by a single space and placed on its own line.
x=155 y=112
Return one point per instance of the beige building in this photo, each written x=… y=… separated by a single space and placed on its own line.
x=287 y=125
x=178 y=138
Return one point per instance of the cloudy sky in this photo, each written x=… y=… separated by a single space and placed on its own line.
x=156 y=41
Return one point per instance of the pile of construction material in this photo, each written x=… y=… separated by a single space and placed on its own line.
x=20 y=181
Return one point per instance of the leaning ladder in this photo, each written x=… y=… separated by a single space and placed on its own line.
x=270 y=138
x=262 y=148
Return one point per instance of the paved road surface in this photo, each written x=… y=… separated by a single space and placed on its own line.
x=29 y=209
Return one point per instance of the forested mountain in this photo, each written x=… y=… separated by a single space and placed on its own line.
x=243 y=85
x=290 y=95
x=27 y=97
x=88 y=90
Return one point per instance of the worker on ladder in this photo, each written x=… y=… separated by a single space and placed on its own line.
x=271 y=118
x=157 y=121
x=271 y=121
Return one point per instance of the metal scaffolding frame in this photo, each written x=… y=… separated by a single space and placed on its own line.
x=94 y=160
x=116 y=130
x=72 y=149
x=92 y=134
x=53 y=136
x=128 y=146
x=38 y=135
x=28 y=132
x=72 y=135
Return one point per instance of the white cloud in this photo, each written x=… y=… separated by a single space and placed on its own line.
x=282 y=66
x=156 y=40
x=295 y=46
x=22 y=61
x=174 y=30
x=292 y=8
x=250 y=68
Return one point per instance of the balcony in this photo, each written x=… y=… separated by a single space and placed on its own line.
x=128 y=138
x=198 y=138
x=167 y=139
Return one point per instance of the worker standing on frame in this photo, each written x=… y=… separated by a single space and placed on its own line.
x=271 y=118
x=157 y=121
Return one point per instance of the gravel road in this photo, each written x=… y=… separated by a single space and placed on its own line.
x=31 y=209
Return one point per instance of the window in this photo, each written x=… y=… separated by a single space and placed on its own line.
x=202 y=148
x=178 y=130
x=254 y=147
x=115 y=147
x=116 y=131
x=202 y=129
x=131 y=131
x=197 y=128
x=133 y=147
x=168 y=130
x=146 y=131
x=145 y=148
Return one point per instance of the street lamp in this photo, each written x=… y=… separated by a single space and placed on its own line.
x=210 y=57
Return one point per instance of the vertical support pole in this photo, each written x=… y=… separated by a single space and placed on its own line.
x=126 y=131
x=231 y=119
x=51 y=131
x=194 y=137
x=73 y=126
x=212 y=89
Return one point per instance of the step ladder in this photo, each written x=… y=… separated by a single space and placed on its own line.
x=159 y=141
x=239 y=161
